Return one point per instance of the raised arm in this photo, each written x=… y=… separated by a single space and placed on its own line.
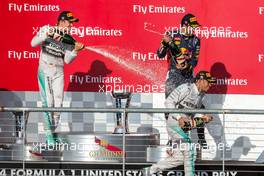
x=40 y=36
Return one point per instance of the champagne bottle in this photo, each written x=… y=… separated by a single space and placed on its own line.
x=187 y=126
x=66 y=38
x=175 y=51
x=198 y=122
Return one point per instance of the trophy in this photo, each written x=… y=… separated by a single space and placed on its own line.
x=119 y=95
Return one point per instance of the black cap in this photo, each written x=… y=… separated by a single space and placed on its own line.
x=205 y=75
x=191 y=20
x=67 y=15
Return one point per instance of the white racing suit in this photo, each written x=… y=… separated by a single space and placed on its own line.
x=185 y=96
x=51 y=75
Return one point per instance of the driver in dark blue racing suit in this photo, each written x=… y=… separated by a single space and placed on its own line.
x=182 y=48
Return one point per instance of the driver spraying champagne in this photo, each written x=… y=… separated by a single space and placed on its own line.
x=57 y=47
x=180 y=125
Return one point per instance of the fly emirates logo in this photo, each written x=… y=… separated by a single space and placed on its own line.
x=157 y=9
x=232 y=81
x=26 y=7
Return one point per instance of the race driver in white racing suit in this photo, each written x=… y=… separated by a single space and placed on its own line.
x=179 y=126
x=54 y=52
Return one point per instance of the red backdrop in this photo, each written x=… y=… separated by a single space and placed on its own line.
x=123 y=50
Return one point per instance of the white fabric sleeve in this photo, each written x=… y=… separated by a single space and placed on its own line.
x=69 y=56
x=40 y=36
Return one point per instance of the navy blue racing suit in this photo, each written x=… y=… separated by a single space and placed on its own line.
x=176 y=77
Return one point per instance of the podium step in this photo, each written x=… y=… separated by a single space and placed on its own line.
x=85 y=147
x=107 y=147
